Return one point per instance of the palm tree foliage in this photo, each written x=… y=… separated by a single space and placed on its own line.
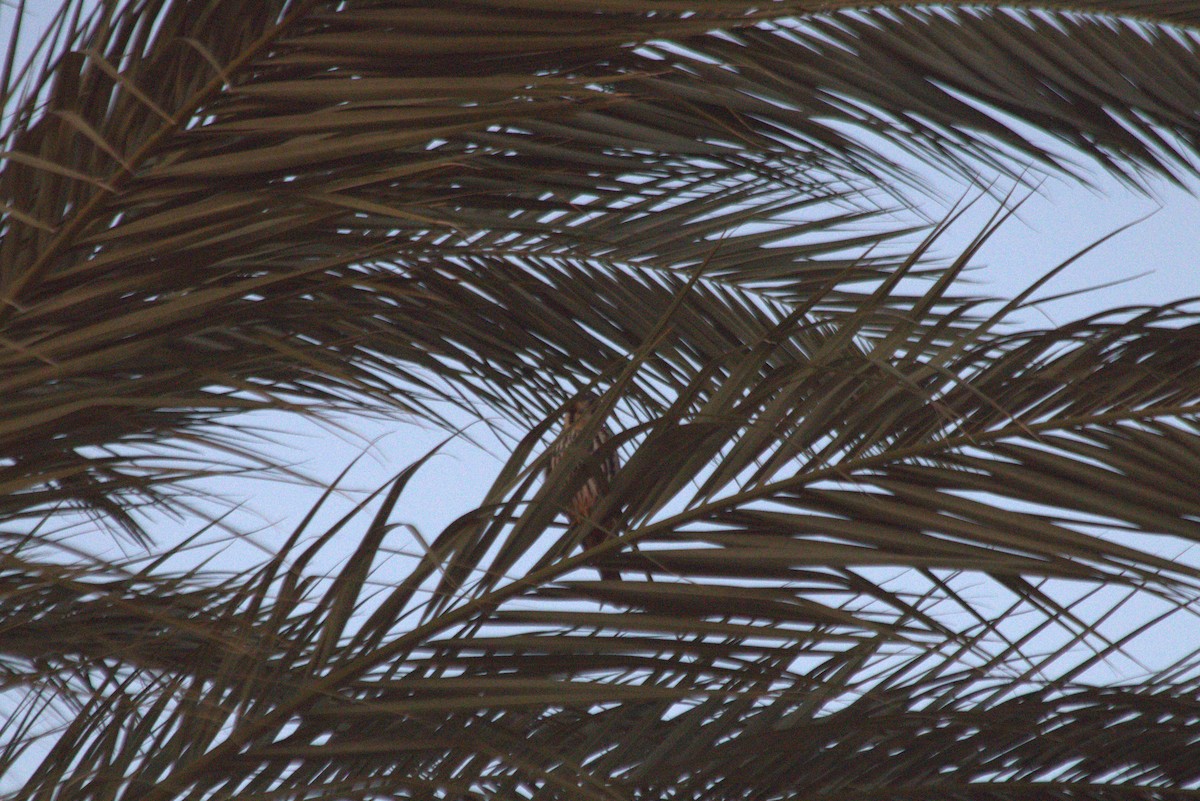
x=874 y=531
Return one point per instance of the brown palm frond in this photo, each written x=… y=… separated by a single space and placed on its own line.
x=330 y=205
x=894 y=534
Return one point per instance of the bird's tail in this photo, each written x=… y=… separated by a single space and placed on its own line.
x=591 y=540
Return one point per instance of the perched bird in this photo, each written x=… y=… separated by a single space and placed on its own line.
x=579 y=509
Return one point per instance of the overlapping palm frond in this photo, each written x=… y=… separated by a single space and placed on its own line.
x=292 y=195
x=863 y=521
x=768 y=655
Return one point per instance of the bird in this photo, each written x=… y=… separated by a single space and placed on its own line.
x=579 y=510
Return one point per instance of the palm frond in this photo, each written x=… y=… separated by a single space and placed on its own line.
x=835 y=462
x=294 y=204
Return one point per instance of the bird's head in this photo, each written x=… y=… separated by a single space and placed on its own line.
x=581 y=408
